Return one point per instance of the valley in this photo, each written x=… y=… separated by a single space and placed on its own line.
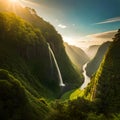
x=42 y=77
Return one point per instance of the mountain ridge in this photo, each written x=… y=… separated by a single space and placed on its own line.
x=77 y=55
x=104 y=87
x=93 y=65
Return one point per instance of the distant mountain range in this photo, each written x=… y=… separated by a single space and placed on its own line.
x=92 y=50
x=93 y=65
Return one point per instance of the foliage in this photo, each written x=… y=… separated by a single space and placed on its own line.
x=104 y=87
x=79 y=109
x=24 y=54
x=14 y=103
x=26 y=80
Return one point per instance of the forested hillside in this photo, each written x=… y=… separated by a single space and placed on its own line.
x=70 y=76
x=26 y=75
x=105 y=85
x=33 y=60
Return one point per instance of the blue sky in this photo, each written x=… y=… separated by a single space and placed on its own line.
x=76 y=19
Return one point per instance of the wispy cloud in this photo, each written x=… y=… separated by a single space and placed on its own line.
x=104 y=35
x=110 y=20
x=95 y=39
x=62 y=26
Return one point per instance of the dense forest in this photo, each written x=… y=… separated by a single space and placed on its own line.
x=25 y=61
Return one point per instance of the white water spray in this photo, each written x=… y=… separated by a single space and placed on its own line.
x=56 y=64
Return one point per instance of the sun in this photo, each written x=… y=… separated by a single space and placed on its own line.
x=13 y=1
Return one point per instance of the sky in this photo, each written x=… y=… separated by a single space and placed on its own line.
x=80 y=22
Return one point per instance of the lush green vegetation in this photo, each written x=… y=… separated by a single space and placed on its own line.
x=71 y=77
x=78 y=109
x=24 y=54
x=16 y=103
x=27 y=84
x=101 y=99
x=104 y=88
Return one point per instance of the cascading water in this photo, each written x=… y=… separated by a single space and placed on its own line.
x=56 y=64
x=51 y=62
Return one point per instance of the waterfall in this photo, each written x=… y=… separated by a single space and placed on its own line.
x=51 y=63
x=56 y=64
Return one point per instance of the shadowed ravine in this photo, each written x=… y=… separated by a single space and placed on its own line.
x=86 y=78
x=56 y=64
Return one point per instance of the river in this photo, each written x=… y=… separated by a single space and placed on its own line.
x=86 y=78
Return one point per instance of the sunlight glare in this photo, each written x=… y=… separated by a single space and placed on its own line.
x=13 y=1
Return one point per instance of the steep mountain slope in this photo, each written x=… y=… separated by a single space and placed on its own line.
x=20 y=46
x=92 y=50
x=77 y=55
x=25 y=60
x=105 y=85
x=93 y=65
x=16 y=102
x=49 y=34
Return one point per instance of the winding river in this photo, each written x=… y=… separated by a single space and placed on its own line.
x=86 y=78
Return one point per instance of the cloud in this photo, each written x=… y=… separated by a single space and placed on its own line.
x=104 y=35
x=111 y=20
x=95 y=39
x=62 y=26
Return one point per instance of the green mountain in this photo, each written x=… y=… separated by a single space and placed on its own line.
x=93 y=65
x=16 y=102
x=77 y=55
x=105 y=85
x=29 y=81
x=27 y=73
x=40 y=64
x=101 y=99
